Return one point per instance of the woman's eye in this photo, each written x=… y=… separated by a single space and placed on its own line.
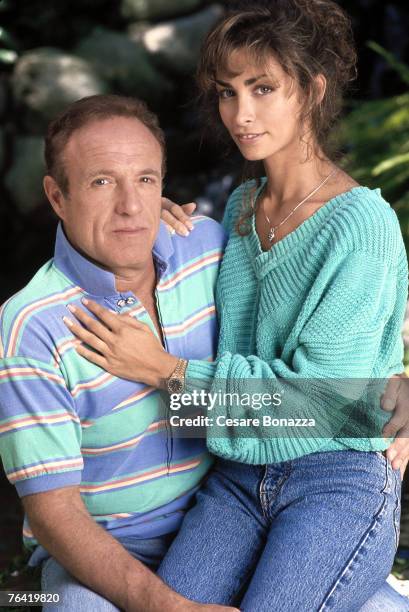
x=264 y=89
x=225 y=93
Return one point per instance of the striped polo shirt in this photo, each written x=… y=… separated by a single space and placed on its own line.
x=64 y=421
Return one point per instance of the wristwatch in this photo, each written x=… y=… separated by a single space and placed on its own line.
x=176 y=381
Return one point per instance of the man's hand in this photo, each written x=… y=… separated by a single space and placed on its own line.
x=62 y=525
x=396 y=400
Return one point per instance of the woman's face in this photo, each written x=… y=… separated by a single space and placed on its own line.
x=260 y=107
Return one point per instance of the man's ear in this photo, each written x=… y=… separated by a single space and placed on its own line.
x=55 y=196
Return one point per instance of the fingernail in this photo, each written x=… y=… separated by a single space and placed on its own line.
x=71 y=308
x=67 y=321
x=172 y=231
x=397 y=465
x=184 y=232
x=190 y=225
x=388 y=404
x=84 y=301
x=392 y=454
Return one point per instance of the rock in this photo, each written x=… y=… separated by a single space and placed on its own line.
x=45 y=80
x=24 y=179
x=124 y=64
x=156 y=9
x=176 y=44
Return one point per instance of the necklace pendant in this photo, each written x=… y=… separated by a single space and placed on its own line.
x=271 y=235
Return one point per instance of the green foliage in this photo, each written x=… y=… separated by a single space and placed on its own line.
x=400 y=568
x=400 y=68
x=375 y=135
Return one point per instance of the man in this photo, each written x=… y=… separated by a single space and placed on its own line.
x=103 y=483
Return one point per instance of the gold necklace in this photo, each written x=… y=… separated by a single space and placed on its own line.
x=273 y=228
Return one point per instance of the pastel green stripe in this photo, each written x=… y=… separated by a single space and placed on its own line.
x=26 y=415
x=35 y=312
x=189 y=297
x=39 y=287
x=137 y=474
x=135 y=442
x=22 y=377
x=146 y=496
x=126 y=422
x=190 y=263
x=76 y=372
x=29 y=362
x=191 y=328
x=37 y=442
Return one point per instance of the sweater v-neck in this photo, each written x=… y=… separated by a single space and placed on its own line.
x=285 y=247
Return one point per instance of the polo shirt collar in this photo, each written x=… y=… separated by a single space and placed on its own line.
x=95 y=280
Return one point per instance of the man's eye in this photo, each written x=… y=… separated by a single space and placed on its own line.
x=101 y=181
x=146 y=179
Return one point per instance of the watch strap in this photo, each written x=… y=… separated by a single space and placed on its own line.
x=178 y=375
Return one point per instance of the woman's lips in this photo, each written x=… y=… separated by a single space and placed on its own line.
x=249 y=138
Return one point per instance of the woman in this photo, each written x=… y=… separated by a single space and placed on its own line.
x=311 y=295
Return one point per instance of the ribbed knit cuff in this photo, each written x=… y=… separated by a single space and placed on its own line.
x=264 y=452
x=199 y=375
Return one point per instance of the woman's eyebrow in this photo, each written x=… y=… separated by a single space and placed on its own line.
x=247 y=82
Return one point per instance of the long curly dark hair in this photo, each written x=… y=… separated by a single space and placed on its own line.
x=307 y=38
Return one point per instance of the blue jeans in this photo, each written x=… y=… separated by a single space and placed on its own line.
x=315 y=533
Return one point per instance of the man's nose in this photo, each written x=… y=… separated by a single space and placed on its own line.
x=129 y=201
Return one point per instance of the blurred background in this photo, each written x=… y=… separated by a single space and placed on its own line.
x=52 y=53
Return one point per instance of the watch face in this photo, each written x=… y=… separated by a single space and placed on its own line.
x=175 y=385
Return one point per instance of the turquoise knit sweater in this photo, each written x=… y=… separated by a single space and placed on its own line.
x=322 y=309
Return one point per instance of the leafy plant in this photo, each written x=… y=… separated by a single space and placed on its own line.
x=375 y=135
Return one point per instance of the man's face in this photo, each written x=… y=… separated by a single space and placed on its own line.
x=111 y=213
